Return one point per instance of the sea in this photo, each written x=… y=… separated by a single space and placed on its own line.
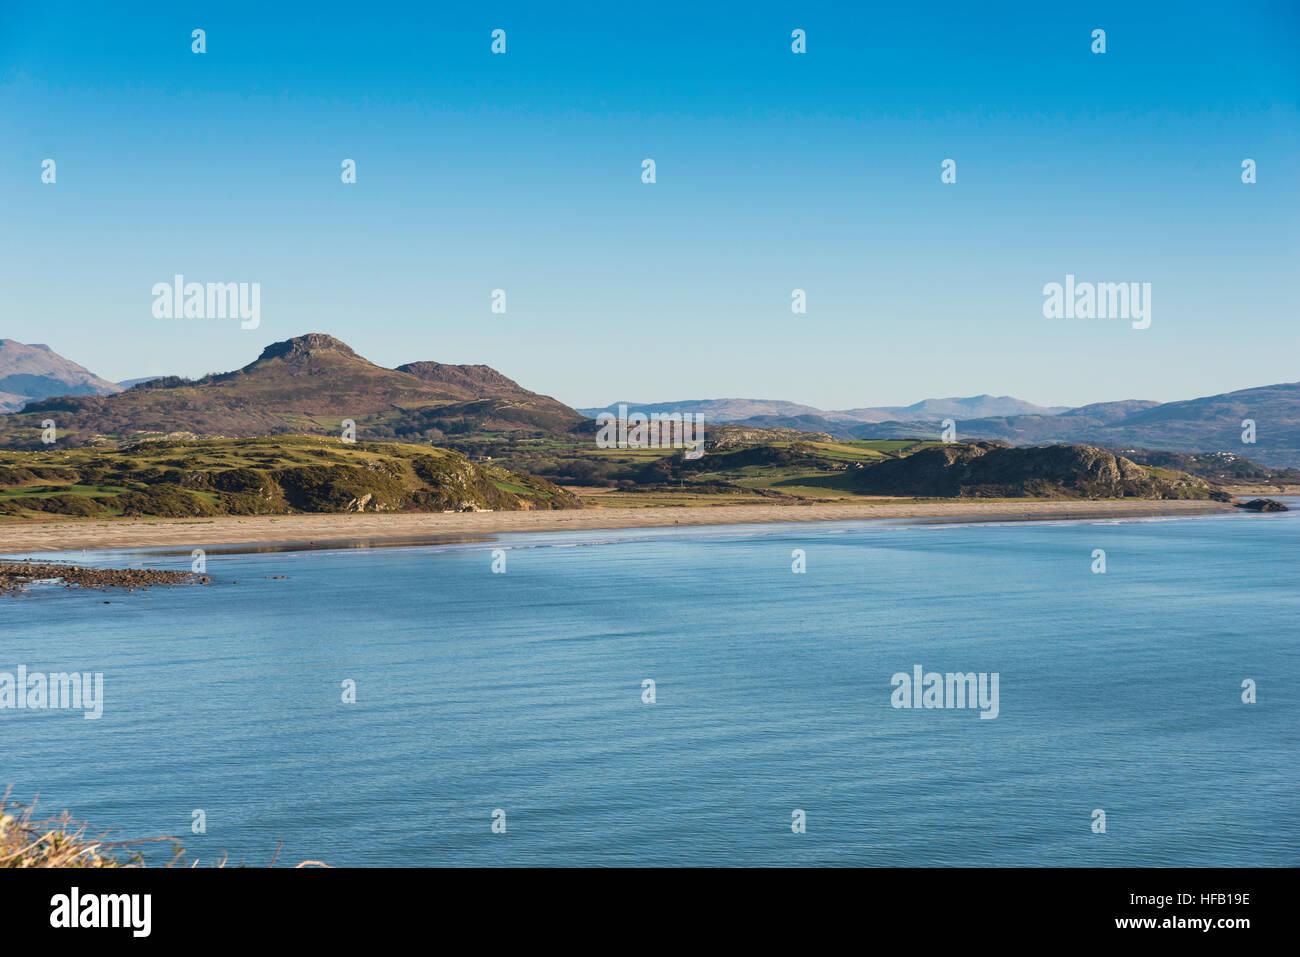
x=716 y=696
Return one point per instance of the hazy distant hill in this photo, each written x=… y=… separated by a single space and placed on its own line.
x=1107 y=412
x=1209 y=424
x=803 y=423
x=36 y=371
x=11 y=401
x=131 y=383
x=714 y=410
x=977 y=406
x=309 y=384
x=777 y=413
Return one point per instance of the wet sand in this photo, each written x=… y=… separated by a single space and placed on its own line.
x=20 y=538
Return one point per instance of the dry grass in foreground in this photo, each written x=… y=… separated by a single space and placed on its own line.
x=60 y=841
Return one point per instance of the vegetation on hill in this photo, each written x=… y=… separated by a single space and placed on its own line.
x=267 y=476
x=751 y=465
x=1220 y=468
x=988 y=470
x=953 y=470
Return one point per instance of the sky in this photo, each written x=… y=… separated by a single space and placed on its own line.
x=775 y=171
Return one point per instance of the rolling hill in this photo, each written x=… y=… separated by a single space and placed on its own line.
x=268 y=476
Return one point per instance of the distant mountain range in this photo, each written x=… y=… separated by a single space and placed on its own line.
x=1209 y=424
x=310 y=384
x=36 y=371
x=745 y=410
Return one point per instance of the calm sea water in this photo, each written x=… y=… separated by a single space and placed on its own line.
x=523 y=692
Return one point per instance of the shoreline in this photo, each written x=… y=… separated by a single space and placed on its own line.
x=315 y=530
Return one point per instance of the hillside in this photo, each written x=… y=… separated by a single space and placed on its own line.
x=1204 y=425
x=467 y=382
x=1218 y=468
x=29 y=372
x=282 y=475
x=308 y=384
x=749 y=466
x=985 y=470
x=1197 y=426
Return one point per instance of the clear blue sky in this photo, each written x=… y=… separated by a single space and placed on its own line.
x=775 y=171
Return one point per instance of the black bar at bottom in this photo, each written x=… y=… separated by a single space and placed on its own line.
x=332 y=907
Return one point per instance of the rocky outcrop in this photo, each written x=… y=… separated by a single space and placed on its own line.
x=1264 y=505
x=990 y=470
x=305 y=346
x=17 y=576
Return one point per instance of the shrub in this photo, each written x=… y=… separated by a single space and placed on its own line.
x=67 y=504
x=164 y=501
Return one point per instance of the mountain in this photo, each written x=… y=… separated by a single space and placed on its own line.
x=776 y=413
x=36 y=371
x=1104 y=413
x=802 y=423
x=308 y=384
x=1209 y=424
x=977 y=406
x=131 y=383
x=1205 y=425
x=713 y=410
x=12 y=401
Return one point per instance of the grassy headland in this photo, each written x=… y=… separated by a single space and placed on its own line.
x=271 y=476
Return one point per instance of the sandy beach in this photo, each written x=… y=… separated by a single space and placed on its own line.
x=20 y=538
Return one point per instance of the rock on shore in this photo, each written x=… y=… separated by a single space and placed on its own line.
x=16 y=576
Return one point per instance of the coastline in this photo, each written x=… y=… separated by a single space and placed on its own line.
x=18 y=539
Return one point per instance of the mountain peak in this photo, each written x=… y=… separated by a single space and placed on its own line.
x=305 y=346
x=35 y=371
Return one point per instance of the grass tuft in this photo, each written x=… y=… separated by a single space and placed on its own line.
x=26 y=841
